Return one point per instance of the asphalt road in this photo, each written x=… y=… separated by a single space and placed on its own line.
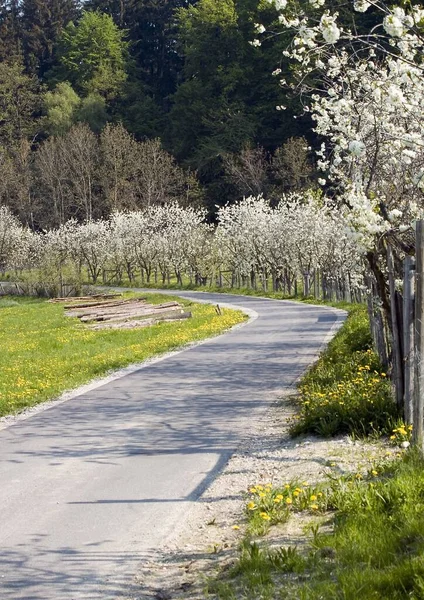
x=90 y=487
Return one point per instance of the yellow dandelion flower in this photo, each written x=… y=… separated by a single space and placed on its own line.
x=375 y=473
x=252 y=506
x=265 y=516
x=235 y=527
x=289 y=501
x=314 y=506
x=313 y=498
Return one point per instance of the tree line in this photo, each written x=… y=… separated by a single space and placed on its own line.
x=298 y=246
x=83 y=176
x=182 y=71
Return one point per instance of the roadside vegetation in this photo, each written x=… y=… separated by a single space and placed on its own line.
x=45 y=353
x=363 y=532
x=347 y=391
x=374 y=549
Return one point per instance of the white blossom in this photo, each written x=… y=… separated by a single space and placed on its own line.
x=394 y=214
x=395 y=95
x=361 y=5
x=356 y=147
x=329 y=29
x=393 y=26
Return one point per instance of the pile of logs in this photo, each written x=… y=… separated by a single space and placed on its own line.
x=110 y=311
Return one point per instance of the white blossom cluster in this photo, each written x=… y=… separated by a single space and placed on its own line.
x=372 y=118
x=251 y=242
x=369 y=109
x=293 y=240
x=15 y=242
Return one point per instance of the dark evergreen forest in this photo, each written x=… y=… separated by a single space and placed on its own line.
x=117 y=104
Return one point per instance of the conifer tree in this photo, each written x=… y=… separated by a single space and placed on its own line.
x=10 y=42
x=42 y=24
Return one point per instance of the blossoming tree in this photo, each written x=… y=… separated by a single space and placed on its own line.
x=365 y=94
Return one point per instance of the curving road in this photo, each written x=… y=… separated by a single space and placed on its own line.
x=90 y=486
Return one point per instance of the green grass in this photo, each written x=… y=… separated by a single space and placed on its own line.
x=44 y=353
x=347 y=392
x=375 y=551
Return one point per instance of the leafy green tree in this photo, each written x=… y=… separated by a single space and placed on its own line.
x=139 y=111
x=61 y=106
x=93 y=112
x=42 y=22
x=206 y=105
x=93 y=55
x=228 y=96
x=151 y=27
x=117 y=9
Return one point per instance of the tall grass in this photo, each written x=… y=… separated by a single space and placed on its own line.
x=347 y=391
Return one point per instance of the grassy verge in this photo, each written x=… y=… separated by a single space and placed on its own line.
x=45 y=353
x=347 y=391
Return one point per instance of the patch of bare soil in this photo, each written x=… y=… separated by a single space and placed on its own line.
x=207 y=542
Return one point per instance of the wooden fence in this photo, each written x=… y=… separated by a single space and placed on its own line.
x=400 y=343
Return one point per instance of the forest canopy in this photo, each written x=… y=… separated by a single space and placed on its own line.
x=175 y=81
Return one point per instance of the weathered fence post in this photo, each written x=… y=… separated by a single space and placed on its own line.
x=396 y=336
x=408 y=337
x=419 y=339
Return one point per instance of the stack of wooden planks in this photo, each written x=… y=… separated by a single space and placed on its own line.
x=110 y=311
